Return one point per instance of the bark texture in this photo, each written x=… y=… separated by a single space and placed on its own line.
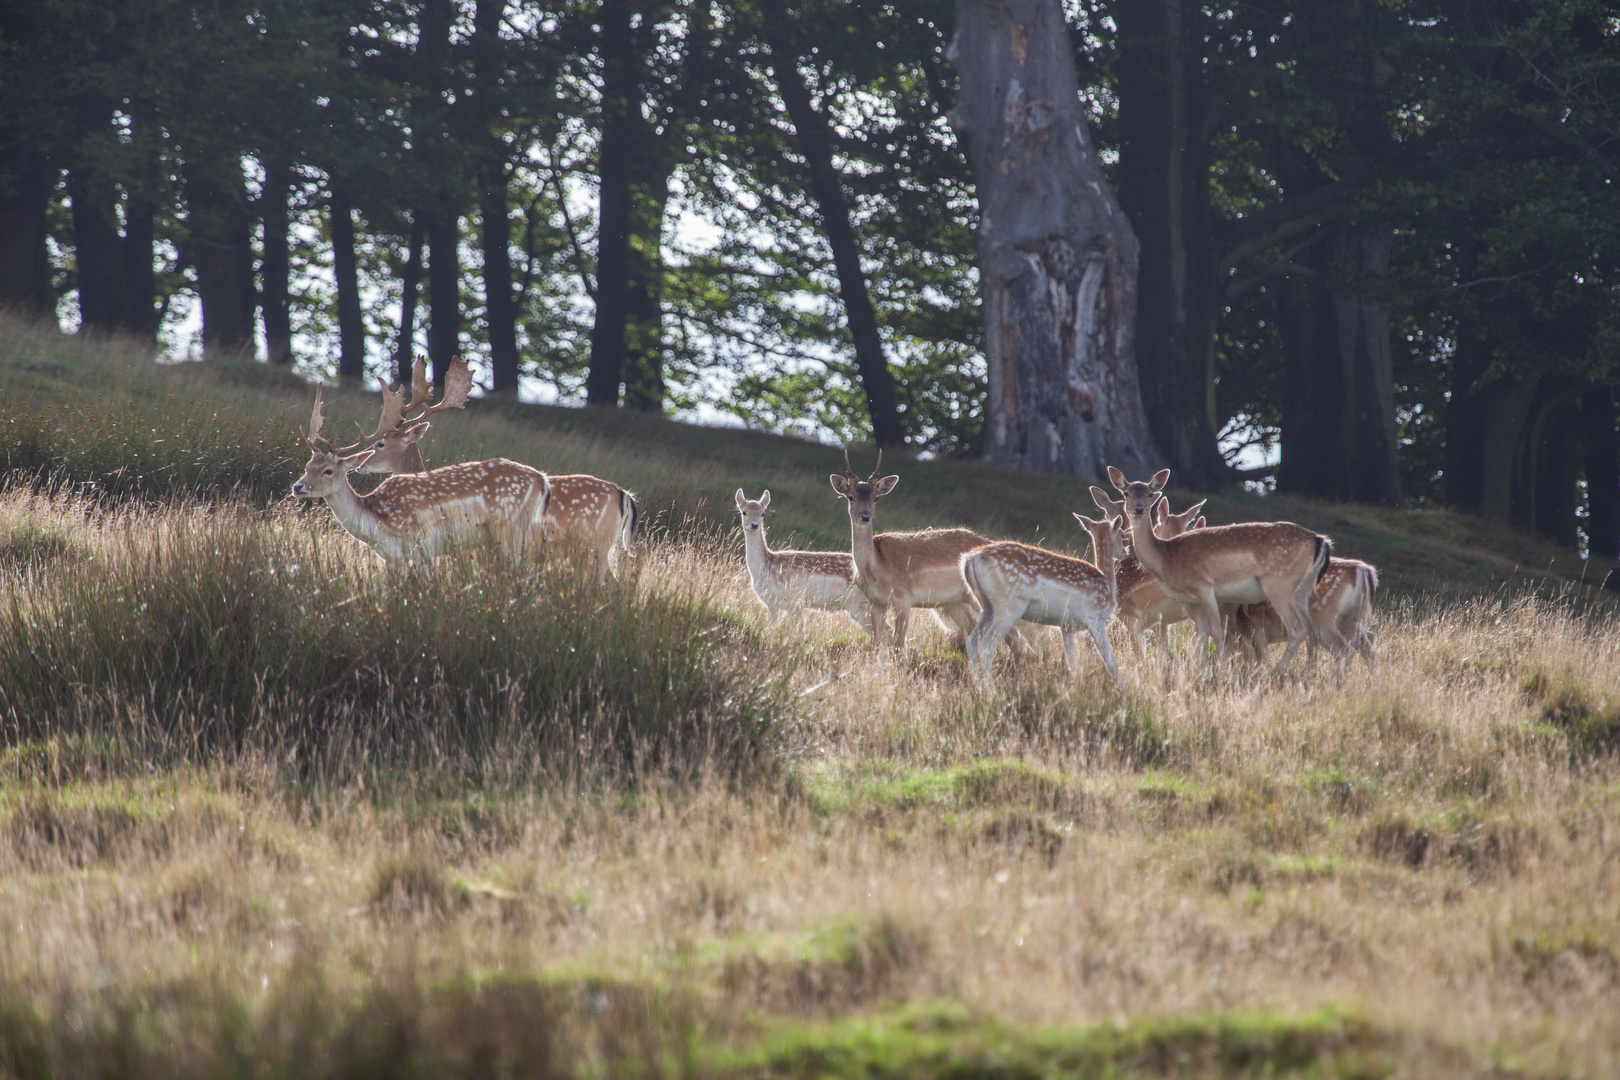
x=1338 y=423
x=501 y=305
x=1166 y=118
x=410 y=282
x=221 y=252
x=25 y=269
x=644 y=300
x=620 y=113
x=1057 y=256
x=351 y=326
x=275 y=303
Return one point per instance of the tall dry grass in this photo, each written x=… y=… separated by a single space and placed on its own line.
x=316 y=821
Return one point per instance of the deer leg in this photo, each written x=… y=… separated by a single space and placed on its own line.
x=1208 y=620
x=1298 y=627
x=1071 y=651
x=902 y=623
x=860 y=609
x=1099 y=636
x=986 y=636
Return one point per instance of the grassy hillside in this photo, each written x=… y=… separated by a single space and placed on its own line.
x=97 y=412
x=266 y=811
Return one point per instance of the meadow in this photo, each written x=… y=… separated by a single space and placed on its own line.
x=265 y=811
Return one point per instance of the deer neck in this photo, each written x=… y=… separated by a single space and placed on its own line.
x=352 y=511
x=1148 y=547
x=412 y=461
x=757 y=554
x=862 y=549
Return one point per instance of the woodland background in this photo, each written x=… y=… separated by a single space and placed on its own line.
x=1356 y=219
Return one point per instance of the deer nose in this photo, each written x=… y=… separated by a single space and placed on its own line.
x=865 y=518
x=298 y=488
x=753 y=524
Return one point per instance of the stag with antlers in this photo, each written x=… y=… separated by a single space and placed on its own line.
x=596 y=516
x=414 y=518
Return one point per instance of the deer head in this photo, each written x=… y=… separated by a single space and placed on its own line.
x=753 y=510
x=1169 y=525
x=862 y=495
x=326 y=465
x=1140 y=497
x=1108 y=538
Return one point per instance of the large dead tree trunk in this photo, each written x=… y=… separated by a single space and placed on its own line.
x=1057 y=257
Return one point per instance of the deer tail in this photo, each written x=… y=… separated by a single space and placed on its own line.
x=1324 y=552
x=629 y=518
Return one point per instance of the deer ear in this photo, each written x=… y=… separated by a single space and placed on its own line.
x=414 y=432
x=884 y=486
x=1116 y=478
x=1200 y=523
x=838 y=485
x=1104 y=503
x=1192 y=511
x=1160 y=478
x=357 y=462
x=765 y=499
x=1161 y=512
x=741 y=498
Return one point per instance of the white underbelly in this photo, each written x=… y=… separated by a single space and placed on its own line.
x=1241 y=592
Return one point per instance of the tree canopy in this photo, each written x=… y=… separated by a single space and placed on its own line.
x=1378 y=240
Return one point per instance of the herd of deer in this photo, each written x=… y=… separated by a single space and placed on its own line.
x=417 y=514
x=1245 y=585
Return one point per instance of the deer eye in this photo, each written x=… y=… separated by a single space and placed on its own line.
x=379 y=446
x=328 y=472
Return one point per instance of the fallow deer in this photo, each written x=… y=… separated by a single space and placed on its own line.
x=905 y=570
x=786 y=582
x=1142 y=603
x=1340 y=608
x=597 y=516
x=418 y=516
x=1277 y=561
x=1014 y=581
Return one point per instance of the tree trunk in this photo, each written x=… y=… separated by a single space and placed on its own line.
x=1165 y=125
x=25 y=269
x=444 y=295
x=1602 y=465
x=1338 y=437
x=410 y=288
x=277 y=265
x=500 y=304
x=351 y=326
x=816 y=141
x=644 y=323
x=1057 y=258
x=444 y=213
x=97 y=260
x=1466 y=412
x=1365 y=347
x=221 y=254
x=621 y=111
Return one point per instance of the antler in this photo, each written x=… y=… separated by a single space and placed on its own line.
x=315 y=422
x=876 y=468
x=849 y=470
x=457 y=383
